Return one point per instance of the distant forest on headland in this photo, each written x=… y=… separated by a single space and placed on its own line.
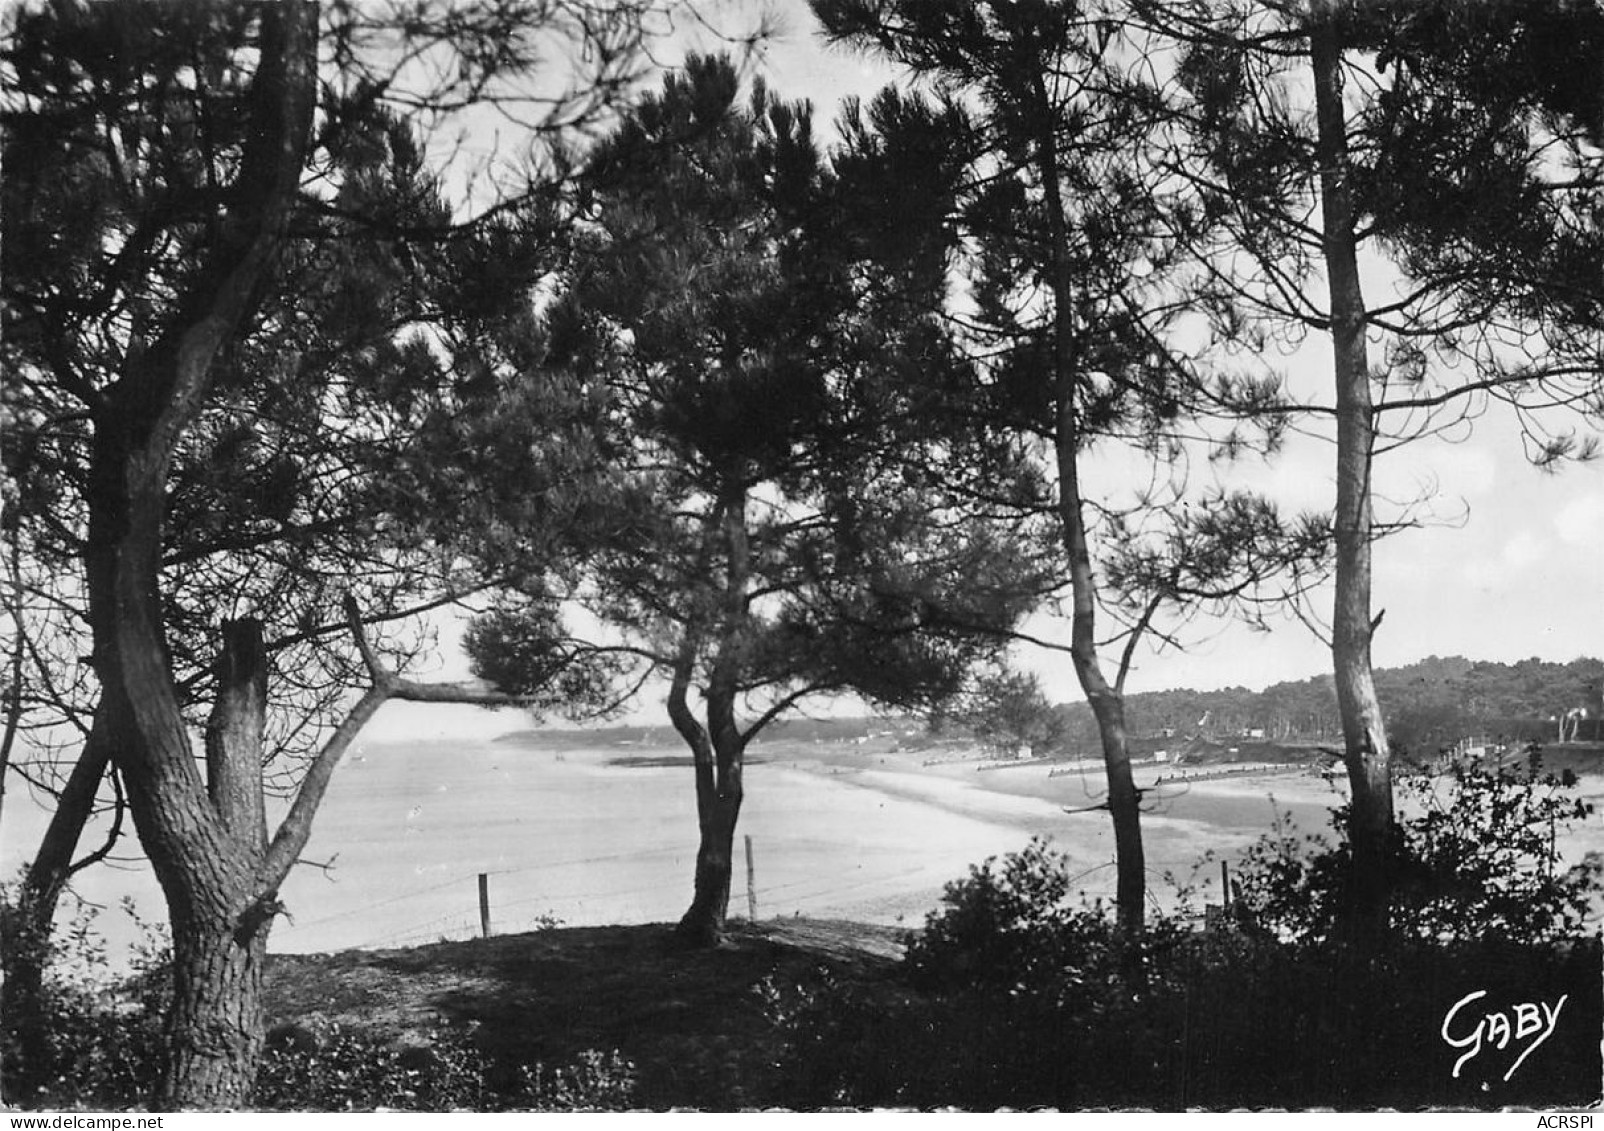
x=1435 y=703
x=1430 y=704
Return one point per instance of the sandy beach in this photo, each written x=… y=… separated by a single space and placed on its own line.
x=595 y=834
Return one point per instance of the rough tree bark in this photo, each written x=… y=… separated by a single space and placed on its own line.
x=215 y=1020
x=219 y=901
x=1366 y=752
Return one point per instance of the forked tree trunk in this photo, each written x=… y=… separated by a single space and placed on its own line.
x=1108 y=707
x=717 y=812
x=220 y=914
x=719 y=792
x=718 y=749
x=1366 y=753
x=215 y=1025
x=204 y=837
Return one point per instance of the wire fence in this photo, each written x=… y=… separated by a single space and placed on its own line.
x=822 y=849
x=628 y=886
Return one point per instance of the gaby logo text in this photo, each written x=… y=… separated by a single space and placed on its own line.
x=1465 y=1026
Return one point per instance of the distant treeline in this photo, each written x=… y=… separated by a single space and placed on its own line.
x=1429 y=705
x=1435 y=703
x=842 y=729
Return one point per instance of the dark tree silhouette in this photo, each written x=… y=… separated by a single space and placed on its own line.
x=801 y=522
x=1346 y=110
x=212 y=253
x=1031 y=166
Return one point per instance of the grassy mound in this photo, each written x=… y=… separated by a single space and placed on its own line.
x=695 y=1024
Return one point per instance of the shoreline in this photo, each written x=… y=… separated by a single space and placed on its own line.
x=606 y=834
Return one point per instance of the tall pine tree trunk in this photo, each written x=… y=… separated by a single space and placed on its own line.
x=1124 y=805
x=1107 y=701
x=207 y=844
x=717 y=810
x=1366 y=753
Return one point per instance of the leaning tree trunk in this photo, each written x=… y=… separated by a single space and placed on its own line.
x=30 y=922
x=1124 y=802
x=1107 y=703
x=1366 y=753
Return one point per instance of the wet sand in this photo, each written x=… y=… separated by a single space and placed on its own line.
x=594 y=835
x=607 y=834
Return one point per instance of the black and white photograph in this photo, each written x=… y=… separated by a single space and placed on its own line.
x=803 y=556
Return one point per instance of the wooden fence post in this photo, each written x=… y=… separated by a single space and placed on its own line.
x=484 y=904
x=751 y=884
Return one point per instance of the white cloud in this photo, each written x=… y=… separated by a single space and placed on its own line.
x=1519 y=553
x=1523 y=550
x=1580 y=522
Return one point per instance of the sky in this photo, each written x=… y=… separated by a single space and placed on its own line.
x=1509 y=563
x=1520 y=575
x=1512 y=568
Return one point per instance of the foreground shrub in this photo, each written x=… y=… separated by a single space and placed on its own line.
x=92 y=1037
x=1478 y=861
x=97 y=1043
x=1234 y=1021
x=330 y=1067
x=598 y=1082
x=1011 y=925
x=1014 y=997
x=327 y=1067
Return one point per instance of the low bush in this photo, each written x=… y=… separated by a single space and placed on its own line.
x=98 y=1044
x=597 y=1082
x=329 y=1067
x=1476 y=861
x=1231 y=1020
x=93 y=1036
x=1011 y=925
x=1014 y=996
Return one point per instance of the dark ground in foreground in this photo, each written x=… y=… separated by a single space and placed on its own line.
x=694 y=1023
x=702 y=1030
